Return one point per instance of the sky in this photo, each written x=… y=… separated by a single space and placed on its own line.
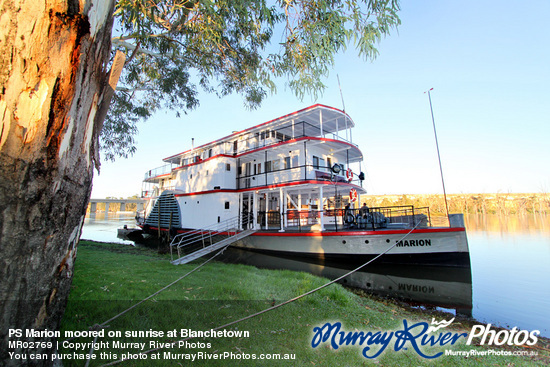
x=488 y=63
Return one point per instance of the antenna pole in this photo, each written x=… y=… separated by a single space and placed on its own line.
x=341 y=95
x=439 y=156
x=344 y=109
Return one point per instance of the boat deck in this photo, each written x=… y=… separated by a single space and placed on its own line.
x=315 y=228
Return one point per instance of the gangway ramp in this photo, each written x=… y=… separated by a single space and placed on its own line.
x=216 y=246
x=212 y=238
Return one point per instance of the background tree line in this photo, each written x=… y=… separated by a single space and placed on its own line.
x=499 y=203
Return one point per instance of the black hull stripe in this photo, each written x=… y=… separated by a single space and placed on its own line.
x=456 y=259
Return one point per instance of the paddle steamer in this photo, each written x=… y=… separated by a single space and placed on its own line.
x=292 y=185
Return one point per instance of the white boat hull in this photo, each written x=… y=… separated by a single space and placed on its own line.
x=433 y=246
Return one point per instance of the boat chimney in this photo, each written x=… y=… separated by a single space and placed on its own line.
x=192 y=143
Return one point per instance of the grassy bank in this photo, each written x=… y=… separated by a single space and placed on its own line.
x=109 y=278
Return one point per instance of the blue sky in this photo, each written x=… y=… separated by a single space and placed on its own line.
x=489 y=65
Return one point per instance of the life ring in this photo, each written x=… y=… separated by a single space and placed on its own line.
x=349 y=174
x=352 y=195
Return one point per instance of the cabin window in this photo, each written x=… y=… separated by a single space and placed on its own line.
x=287 y=162
x=295 y=160
x=321 y=163
x=209 y=153
x=315 y=162
x=227 y=205
x=268 y=166
x=228 y=167
x=276 y=165
x=259 y=168
x=329 y=162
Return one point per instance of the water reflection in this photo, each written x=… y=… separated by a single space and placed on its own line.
x=441 y=287
x=103 y=227
x=509 y=258
x=508 y=224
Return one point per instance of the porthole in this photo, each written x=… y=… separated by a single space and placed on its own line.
x=344 y=242
x=367 y=242
x=387 y=240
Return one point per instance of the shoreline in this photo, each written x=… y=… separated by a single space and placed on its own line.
x=229 y=289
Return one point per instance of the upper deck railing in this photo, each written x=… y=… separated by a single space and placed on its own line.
x=306 y=172
x=159 y=171
x=253 y=140
x=270 y=137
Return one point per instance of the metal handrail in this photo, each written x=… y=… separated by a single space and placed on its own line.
x=375 y=217
x=202 y=234
x=164 y=169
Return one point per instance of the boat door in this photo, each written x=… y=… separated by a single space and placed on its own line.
x=247 y=211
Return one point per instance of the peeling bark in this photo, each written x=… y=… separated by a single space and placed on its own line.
x=52 y=77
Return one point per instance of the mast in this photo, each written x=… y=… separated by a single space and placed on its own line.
x=438 y=156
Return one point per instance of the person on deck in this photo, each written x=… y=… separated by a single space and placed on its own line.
x=362 y=216
x=364 y=210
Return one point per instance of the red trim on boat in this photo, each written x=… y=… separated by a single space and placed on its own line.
x=315 y=182
x=381 y=232
x=262 y=124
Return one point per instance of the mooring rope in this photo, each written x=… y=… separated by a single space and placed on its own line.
x=166 y=287
x=285 y=302
x=104 y=324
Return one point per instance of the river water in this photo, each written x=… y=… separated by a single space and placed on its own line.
x=506 y=286
x=510 y=259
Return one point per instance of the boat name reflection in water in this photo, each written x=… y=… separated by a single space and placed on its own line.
x=415 y=288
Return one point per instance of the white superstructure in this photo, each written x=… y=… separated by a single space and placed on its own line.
x=292 y=185
x=283 y=164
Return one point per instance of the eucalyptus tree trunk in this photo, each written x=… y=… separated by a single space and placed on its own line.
x=53 y=77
